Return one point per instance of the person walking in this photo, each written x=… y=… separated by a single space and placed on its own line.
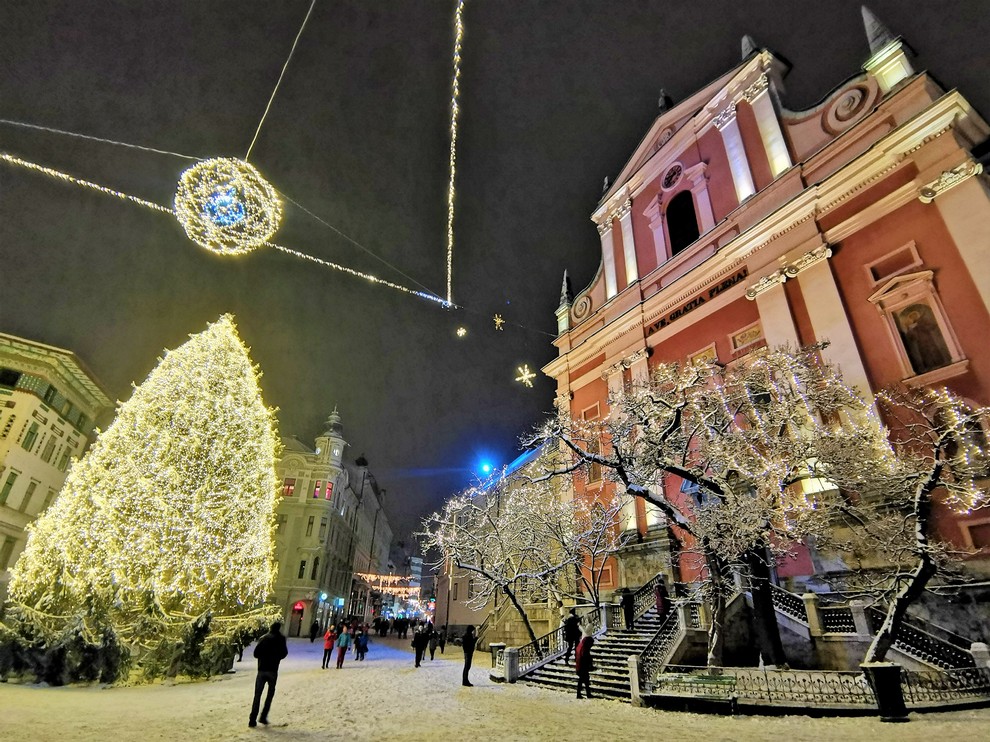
x=329 y=641
x=270 y=651
x=343 y=644
x=442 y=638
x=468 y=644
x=572 y=633
x=361 y=644
x=314 y=631
x=628 y=603
x=434 y=642
x=662 y=599
x=583 y=663
x=420 y=640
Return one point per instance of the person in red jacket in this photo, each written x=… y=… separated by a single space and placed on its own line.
x=329 y=640
x=583 y=664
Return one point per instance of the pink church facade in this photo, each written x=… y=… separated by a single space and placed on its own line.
x=738 y=224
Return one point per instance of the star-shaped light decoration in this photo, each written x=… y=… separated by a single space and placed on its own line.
x=525 y=375
x=497 y=319
x=461 y=332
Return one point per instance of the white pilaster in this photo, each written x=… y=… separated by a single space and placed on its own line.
x=965 y=209
x=742 y=178
x=829 y=320
x=775 y=317
x=758 y=96
x=628 y=242
x=608 y=259
x=614 y=377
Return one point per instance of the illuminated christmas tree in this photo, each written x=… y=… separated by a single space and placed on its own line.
x=158 y=553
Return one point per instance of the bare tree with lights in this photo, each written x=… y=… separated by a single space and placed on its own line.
x=745 y=436
x=520 y=538
x=158 y=553
x=937 y=452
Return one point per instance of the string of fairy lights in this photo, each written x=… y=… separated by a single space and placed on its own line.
x=226 y=206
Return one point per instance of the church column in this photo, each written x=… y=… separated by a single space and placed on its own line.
x=758 y=96
x=963 y=202
x=728 y=127
x=608 y=258
x=624 y=214
x=829 y=320
x=613 y=375
x=775 y=313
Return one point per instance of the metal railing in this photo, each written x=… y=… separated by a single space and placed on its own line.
x=551 y=645
x=837 y=620
x=922 y=645
x=938 y=686
x=789 y=603
x=659 y=650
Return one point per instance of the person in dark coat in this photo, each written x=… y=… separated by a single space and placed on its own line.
x=468 y=644
x=572 y=633
x=361 y=644
x=314 y=631
x=270 y=651
x=420 y=641
x=628 y=603
x=583 y=664
x=662 y=599
x=442 y=638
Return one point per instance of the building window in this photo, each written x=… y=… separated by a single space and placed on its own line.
x=316 y=488
x=454 y=591
x=594 y=446
x=316 y=568
x=7 y=486
x=5 y=552
x=309 y=525
x=919 y=329
x=49 y=449
x=328 y=492
x=283 y=519
x=302 y=569
x=9 y=377
x=30 y=438
x=470 y=588
x=323 y=528
x=977 y=534
x=49 y=498
x=63 y=462
x=682 y=222
x=288 y=487
x=28 y=494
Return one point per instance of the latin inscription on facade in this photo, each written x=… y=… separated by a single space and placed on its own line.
x=696 y=301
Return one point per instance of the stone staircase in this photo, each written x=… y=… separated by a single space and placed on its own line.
x=610 y=678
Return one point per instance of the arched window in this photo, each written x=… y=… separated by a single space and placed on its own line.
x=682 y=222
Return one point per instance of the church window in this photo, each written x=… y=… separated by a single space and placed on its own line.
x=682 y=222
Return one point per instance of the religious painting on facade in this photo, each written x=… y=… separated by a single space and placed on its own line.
x=922 y=337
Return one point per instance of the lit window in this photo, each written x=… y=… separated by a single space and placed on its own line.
x=316 y=488
x=328 y=492
x=288 y=487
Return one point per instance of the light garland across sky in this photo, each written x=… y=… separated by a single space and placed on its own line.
x=454 y=111
x=219 y=208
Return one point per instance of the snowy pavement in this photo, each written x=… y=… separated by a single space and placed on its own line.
x=386 y=698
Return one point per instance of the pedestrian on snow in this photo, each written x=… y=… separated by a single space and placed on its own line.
x=662 y=599
x=572 y=633
x=314 y=631
x=434 y=641
x=628 y=603
x=343 y=644
x=329 y=640
x=420 y=640
x=269 y=652
x=467 y=644
x=361 y=644
x=583 y=663
x=442 y=638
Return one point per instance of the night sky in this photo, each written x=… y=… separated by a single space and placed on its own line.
x=555 y=96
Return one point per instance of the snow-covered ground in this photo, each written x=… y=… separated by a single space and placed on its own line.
x=386 y=698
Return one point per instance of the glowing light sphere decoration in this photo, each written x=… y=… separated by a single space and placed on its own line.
x=226 y=206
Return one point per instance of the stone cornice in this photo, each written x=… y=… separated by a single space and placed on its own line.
x=949 y=179
x=791 y=270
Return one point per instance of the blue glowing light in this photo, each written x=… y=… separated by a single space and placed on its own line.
x=486 y=468
x=223 y=207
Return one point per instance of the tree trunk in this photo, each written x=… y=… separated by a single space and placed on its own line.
x=920 y=575
x=716 y=632
x=765 y=616
x=522 y=613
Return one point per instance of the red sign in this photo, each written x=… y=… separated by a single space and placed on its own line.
x=299 y=606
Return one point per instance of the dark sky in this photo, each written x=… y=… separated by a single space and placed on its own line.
x=555 y=96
